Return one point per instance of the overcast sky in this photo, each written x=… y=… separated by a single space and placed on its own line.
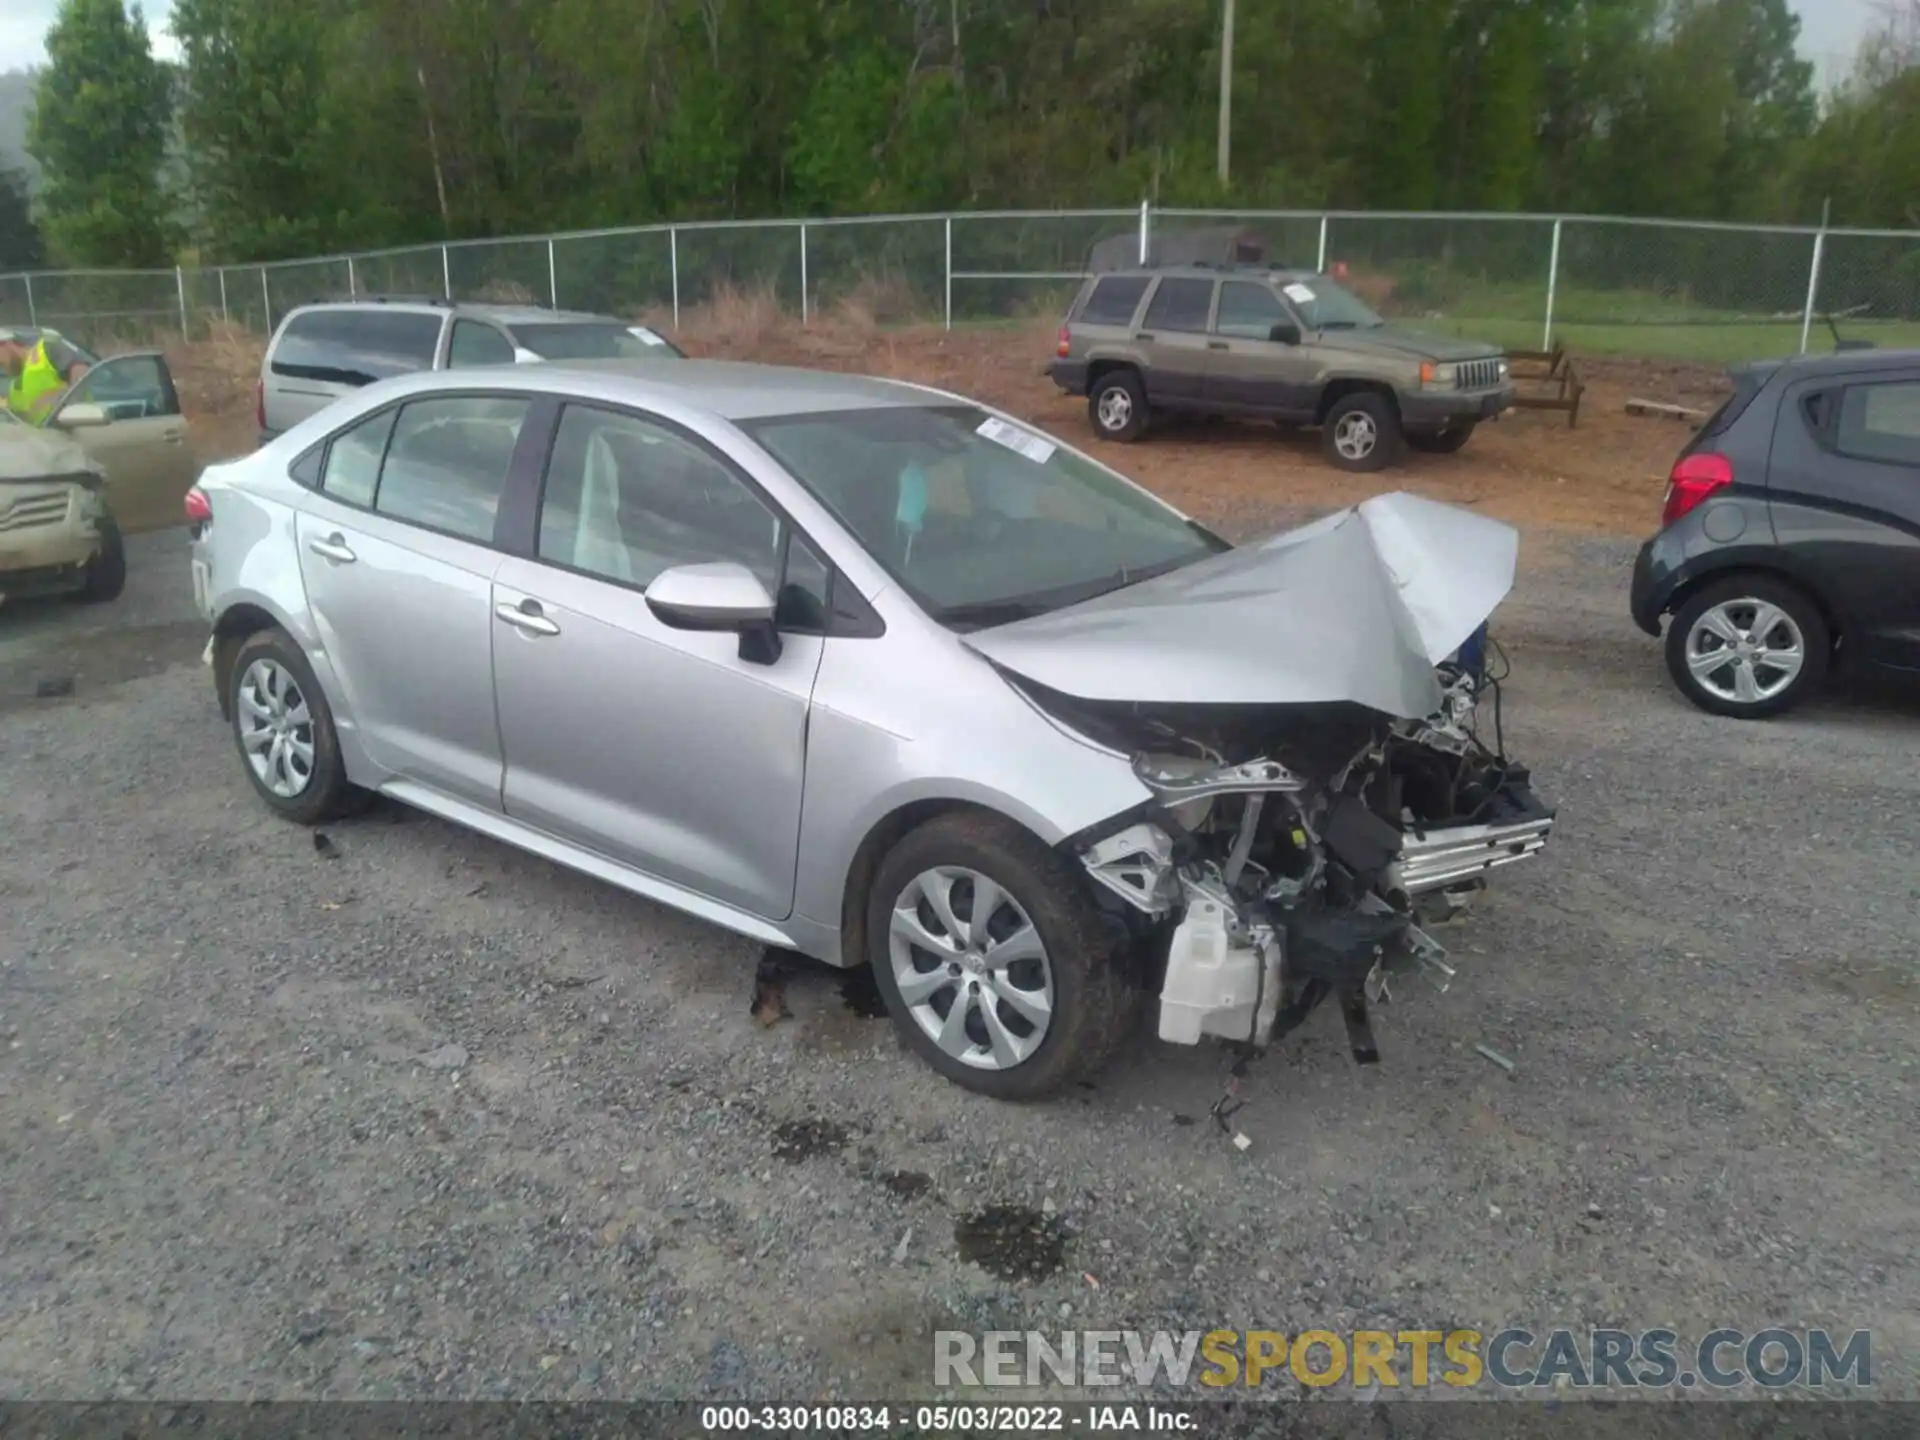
x=1830 y=31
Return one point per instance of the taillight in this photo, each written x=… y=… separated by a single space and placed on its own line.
x=199 y=508
x=260 y=403
x=1065 y=346
x=1694 y=478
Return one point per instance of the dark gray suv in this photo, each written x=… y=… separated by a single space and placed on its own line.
x=1790 y=537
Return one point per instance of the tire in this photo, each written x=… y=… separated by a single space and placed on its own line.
x=1093 y=1007
x=107 y=570
x=1727 y=614
x=1117 y=406
x=1444 y=442
x=1363 y=412
x=326 y=793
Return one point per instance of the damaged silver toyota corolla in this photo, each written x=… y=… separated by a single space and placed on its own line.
x=872 y=672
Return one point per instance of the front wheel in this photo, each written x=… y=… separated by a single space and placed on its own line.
x=1444 y=442
x=1362 y=432
x=993 y=960
x=106 y=573
x=1748 y=647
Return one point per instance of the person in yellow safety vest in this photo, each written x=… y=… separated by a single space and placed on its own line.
x=39 y=366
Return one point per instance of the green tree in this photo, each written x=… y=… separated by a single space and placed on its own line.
x=262 y=160
x=20 y=244
x=99 y=133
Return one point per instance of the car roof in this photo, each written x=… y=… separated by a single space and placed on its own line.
x=483 y=310
x=1278 y=273
x=1837 y=362
x=729 y=390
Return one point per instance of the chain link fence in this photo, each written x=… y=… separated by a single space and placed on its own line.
x=1655 y=289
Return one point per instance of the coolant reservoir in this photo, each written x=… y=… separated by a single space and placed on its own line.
x=1214 y=985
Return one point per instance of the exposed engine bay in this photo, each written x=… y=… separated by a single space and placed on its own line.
x=1294 y=854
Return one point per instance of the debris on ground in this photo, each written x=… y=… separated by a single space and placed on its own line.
x=797 y=1140
x=1496 y=1057
x=770 y=990
x=323 y=844
x=447 y=1057
x=1660 y=410
x=900 y=1250
x=54 y=689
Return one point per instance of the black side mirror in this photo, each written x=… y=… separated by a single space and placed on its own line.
x=1285 y=333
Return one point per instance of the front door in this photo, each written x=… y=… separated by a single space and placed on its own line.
x=397 y=554
x=1249 y=372
x=144 y=447
x=658 y=748
x=1172 y=338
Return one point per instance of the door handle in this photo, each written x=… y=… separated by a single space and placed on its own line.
x=526 y=618
x=334 y=547
x=1216 y=344
x=1143 y=335
x=174 y=437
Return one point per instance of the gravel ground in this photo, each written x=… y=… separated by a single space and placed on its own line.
x=425 y=1117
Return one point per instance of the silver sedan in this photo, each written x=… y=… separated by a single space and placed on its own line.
x=878 y=674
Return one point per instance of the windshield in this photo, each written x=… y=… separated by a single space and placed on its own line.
x=1323 y=305
x=981 y=521
x=591 y=340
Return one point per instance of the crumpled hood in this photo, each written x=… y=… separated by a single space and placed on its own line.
x=30 y=453
x=1358 y=606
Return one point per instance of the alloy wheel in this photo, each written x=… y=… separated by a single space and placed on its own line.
x=1745 y=651
x=1116 y=409
x=1355 y=435
x=276 y=728
x=971 y=968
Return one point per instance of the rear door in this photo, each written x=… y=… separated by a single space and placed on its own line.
x=330 y=351
x=145 y=448
x=1248 y=371
x=397 y=552
x=1844 y=493
x=1173 y=341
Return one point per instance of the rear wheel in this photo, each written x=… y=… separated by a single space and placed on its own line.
x=107 y=570
x=993 y=960
x=1444 y=442
x=1748 y=647
x=283 y=728
x=1117 y=405
x=1362 y=432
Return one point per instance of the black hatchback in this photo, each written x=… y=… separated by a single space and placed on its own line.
x=1790 y=537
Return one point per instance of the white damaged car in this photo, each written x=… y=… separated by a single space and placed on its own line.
x=875 y=673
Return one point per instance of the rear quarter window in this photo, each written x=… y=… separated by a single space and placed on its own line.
x=1113 y=300
x=355 y=347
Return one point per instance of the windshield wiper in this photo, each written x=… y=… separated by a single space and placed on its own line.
x=985 y=613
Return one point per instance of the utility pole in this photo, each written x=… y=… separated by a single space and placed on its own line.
x=1226 y=92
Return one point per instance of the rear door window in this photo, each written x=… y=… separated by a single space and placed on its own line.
x=1181 y=306
x=448 y=461
x=475 y=343
x=1880 y=422
x=355 y=347
x=1114 y=299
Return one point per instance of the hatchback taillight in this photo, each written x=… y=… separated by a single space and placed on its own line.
x=1065 y=347
x=199 y=508
x=1694 y=478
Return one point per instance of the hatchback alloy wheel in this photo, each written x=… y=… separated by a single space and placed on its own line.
x=1745 y=651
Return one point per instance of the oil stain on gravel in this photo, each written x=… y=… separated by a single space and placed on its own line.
x=907 y=1184
x=1013 y=1242
x=797 y=1140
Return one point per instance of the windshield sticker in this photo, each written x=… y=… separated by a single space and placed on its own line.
x=1021 y=442
x=1298 y=293
x=644 y=335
